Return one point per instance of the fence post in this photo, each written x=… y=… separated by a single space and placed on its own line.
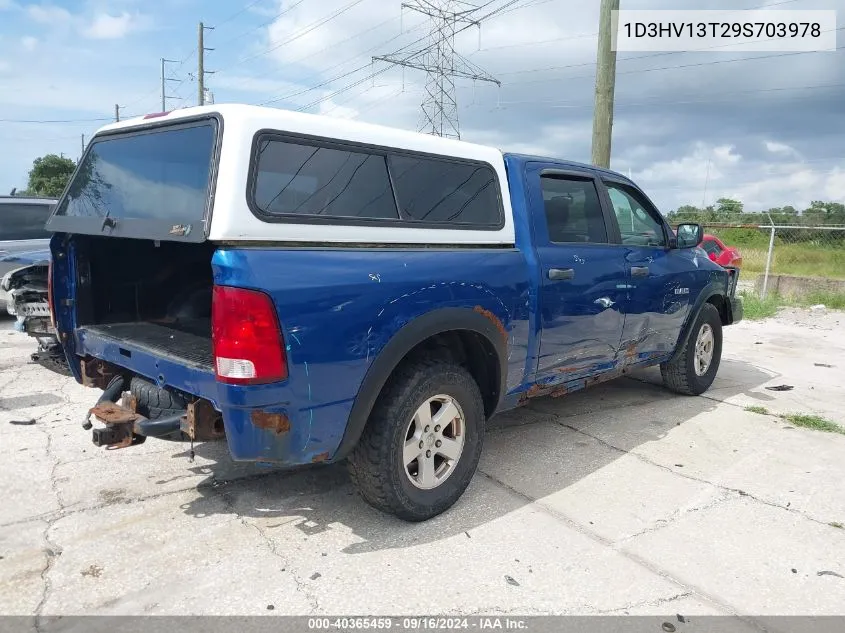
x=768 y=262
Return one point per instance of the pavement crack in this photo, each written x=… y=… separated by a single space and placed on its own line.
x=301 y=586
x=684 y=475
x=52 y=550
x=654 y=602
x=660 y=524
x=631 y=556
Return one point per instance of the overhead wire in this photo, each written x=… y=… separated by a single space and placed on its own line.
x=301 y=33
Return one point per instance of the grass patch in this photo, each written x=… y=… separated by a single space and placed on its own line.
x=814 y=422
x=802 y=260
x=836 y=524
x=832 y=300
x=757 y=409
x=754 y=308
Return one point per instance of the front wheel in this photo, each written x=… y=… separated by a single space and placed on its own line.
x=693 y=370
x=423 y=440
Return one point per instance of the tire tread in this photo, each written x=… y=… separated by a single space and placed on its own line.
x=368 y=462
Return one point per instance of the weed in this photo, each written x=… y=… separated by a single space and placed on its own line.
x=757 y=409
x=815 y=422
x=836 y=524
x=755 y=308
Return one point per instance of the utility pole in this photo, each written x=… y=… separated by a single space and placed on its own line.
x=116 y=112
x=201 y=71
x=164 y=80
x=83 y=146
x=605 y=85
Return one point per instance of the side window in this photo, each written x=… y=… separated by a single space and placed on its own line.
x=573 y=210
x=308 y=180
x=24 y=221
x=431 y=190
x=636 y=222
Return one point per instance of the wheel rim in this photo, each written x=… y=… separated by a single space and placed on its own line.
x=704 y=344
x=434 y=441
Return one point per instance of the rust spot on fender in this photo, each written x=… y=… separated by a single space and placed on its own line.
x=276 y=422
x=320 y=457
x=494 y=319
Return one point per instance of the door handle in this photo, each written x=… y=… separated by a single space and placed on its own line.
x=561 y=273
x=639 y=271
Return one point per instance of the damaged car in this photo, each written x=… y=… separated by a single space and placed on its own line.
x=24 y=268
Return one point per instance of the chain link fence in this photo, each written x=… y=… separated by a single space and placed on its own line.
x=791 y=259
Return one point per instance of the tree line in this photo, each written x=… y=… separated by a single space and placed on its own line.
x=727 y=213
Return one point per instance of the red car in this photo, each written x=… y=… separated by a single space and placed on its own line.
x=721 y=254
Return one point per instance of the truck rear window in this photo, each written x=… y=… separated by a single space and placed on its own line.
x=158 y=174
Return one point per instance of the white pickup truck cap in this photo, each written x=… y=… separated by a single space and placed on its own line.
x=232 y=220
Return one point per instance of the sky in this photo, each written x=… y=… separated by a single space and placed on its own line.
x=764 y=128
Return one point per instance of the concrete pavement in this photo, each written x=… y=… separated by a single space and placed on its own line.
x=620 y=499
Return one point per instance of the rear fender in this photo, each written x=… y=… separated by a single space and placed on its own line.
x=405 y=340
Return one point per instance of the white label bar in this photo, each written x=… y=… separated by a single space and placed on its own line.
x=756 y=30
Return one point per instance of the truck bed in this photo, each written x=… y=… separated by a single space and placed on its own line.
x=187 y=341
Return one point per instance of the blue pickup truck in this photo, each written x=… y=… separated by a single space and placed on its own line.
x=316 y=290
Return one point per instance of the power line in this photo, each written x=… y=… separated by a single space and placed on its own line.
x=327 y=48
x=263 y=24
x=646 y=70
x=237 y=13
x=725 y=99
x=649 y=55
x=343 y=89
x=307 y=29
x=343 y=63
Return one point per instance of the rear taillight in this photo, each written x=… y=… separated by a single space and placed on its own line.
x=246 y=337
x=50 y=294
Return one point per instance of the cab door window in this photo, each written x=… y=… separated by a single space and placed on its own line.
x=636 y=217
x=573 y=210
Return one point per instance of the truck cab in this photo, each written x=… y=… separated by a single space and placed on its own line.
x=316 y=290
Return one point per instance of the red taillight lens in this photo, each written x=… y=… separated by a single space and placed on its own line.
x=50 y=294
x=246 y=337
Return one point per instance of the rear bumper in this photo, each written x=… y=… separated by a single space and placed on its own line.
x=736 y=309
x=263 y=423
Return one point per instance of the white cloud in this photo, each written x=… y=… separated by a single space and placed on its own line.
x=6 y=5
x=47 y=13
x=110 y=27
x=29 y=43
x=778 y=148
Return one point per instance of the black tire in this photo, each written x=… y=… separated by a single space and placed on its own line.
x=155 y=403
x=679 y=375
x=376 y=465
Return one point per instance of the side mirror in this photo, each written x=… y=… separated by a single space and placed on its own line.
x=689 y=235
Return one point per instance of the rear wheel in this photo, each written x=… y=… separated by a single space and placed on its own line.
x=694 y=369
x=422 y=442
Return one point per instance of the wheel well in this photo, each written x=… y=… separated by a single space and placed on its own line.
x=718 y=302
x=475 y=353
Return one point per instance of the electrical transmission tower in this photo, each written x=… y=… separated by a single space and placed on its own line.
x=441 y=62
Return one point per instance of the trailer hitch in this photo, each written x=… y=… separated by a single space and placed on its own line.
x=125 y=427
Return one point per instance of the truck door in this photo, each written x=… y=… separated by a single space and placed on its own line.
x=583 y=275
x=662 y=281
